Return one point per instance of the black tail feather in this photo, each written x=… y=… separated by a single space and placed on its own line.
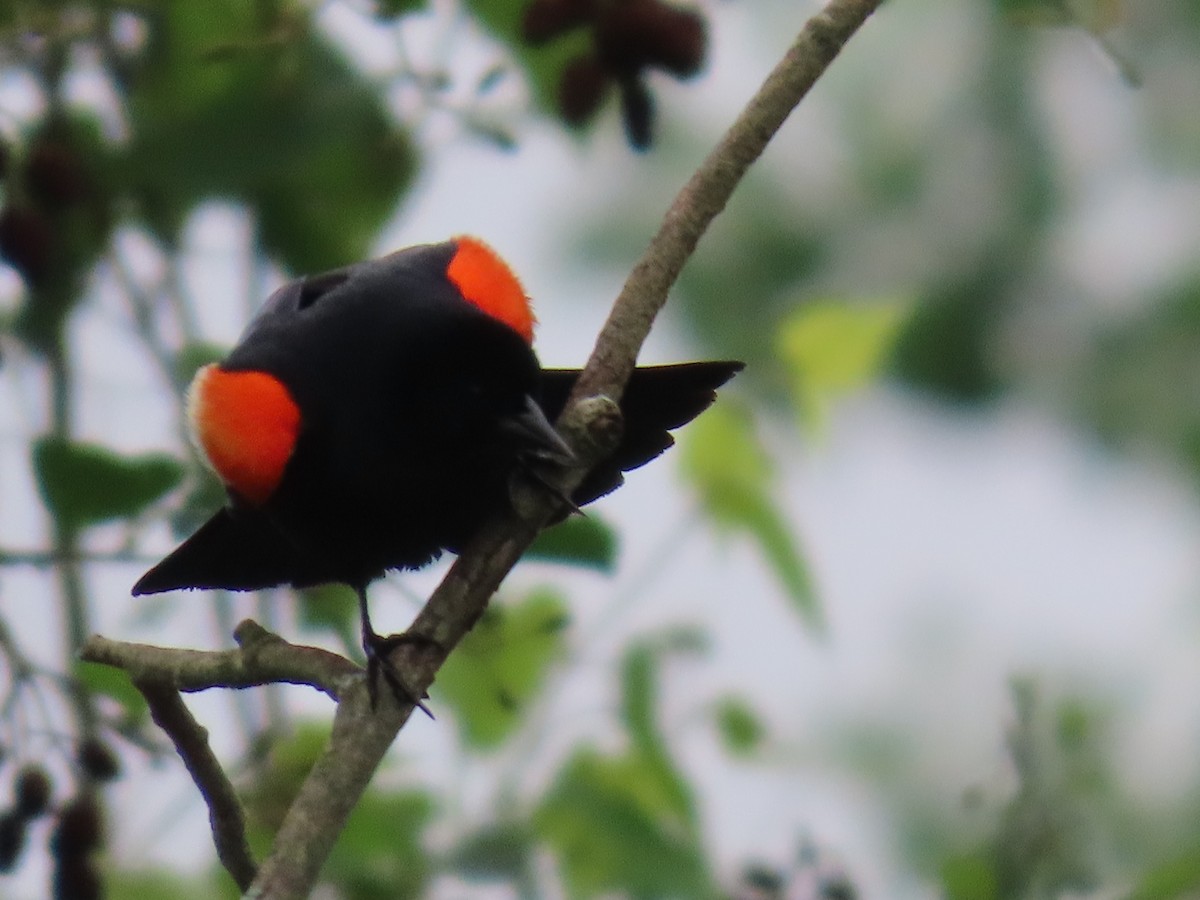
x=232 y=550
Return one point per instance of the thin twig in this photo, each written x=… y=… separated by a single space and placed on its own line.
x=225 y=813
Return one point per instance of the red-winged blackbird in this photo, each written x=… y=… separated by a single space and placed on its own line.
x=372 y=417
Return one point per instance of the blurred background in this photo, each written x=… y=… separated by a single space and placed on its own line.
x=914 y=611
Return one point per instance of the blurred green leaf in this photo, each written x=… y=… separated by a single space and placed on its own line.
x=740 y=728
x=611 y=832
x=234 y=102
x=501 y=665
x=723 y=459
x=334 y=608
x=584 y=541
x=115 y=684
x=831 y=347
x=83 y=484
x=194 y=356
x=501 y=851
x=1175 y=879
x=542 y=65
x=379 y=855
x=660 y=780
x=970 y=877
x=392 y=9
x=159 y=884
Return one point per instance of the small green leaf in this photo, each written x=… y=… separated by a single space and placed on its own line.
x=501 y=666
x=1175 y=879
x=192 y=357
x=831 y=348
x=331 y=607
x=739 y=726
x=584 y=541
x=380 y=852
x=660 y=778
x=970 y=877
x=391 y=9
x=114 y=683
x=612 y=834
x=83 y=484
x=724 y=460
x=499 y=851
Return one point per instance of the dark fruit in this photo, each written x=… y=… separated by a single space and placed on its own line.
x=12 y=838
x=545 y=20
x=637 y=112
x=76 y=878
x=55 y=176
x=32 y=791
x=98 y=761
x=581 y=89
x=636 y=34
x=79 y=829
x=26 y=242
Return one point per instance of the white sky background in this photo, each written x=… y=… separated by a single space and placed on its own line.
x=951 y=551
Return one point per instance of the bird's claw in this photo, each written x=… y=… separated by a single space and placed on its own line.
x=378 y=649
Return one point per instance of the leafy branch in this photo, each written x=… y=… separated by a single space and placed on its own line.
x=362 y=735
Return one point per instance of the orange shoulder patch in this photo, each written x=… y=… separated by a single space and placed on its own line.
x=485 y=280
x=246 y=425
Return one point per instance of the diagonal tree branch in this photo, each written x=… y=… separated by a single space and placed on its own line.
x=591 y=423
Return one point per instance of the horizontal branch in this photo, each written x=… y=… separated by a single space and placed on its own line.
x=260 y=658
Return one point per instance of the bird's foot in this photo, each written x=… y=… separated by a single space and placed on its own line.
x=378 y=649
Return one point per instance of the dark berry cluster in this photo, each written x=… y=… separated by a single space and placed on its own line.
x=628 y=38
x=78 y=829
x=54 y=221
x=48 y=182
x=31 y=799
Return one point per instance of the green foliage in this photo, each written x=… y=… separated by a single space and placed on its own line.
x=194 y=356
x=502 y=851
x=155 y=884
x=83 y=484
x=501 y=666
x=741 y=730
x=582 y=541
x=724 y=460
x=969 y=877
x=1049 y=836
x=331 y=607
x=380 y=853
x=541 y=66
x=115 y=684
x=627 y=823
x=1176 y=879
x=1120 y=385
x=606 y=821
x=830 y=348
x=233 y=103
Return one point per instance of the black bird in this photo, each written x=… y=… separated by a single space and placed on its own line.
x=372 y=417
